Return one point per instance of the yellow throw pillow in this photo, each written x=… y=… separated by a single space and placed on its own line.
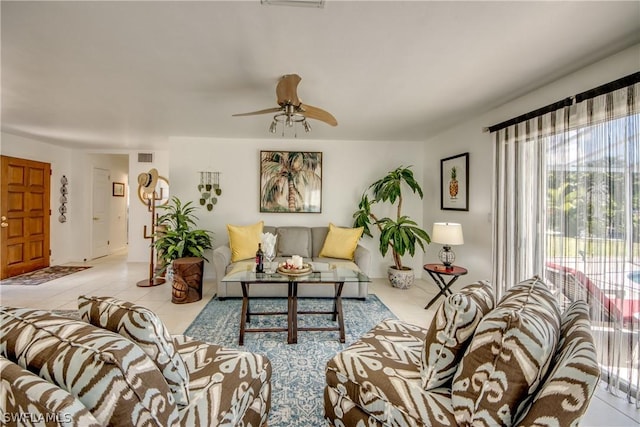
x=341 y=242
x=243 y=240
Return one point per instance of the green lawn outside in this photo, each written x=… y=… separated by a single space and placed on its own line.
x=560 y=246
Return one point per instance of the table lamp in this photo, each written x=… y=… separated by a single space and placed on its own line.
x=448 y=234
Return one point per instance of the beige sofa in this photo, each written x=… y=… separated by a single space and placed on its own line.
x=293 y=240
x=520 y=363
x=120 y=367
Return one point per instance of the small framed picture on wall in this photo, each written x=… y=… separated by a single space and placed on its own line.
x=118 y=189
x=454 y=183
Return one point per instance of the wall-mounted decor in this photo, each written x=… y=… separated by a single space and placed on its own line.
x=291 y=181
x=454 y=183
x=118 y=189
x=209 y=189
x=63 y=199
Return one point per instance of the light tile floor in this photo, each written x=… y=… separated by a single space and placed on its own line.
x=113 y=276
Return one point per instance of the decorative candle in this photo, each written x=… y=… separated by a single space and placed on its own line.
x=296 y=260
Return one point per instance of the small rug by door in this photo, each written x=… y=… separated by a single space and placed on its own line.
x=44 y=275
x=298 y=369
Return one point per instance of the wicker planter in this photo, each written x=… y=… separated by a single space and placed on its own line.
x=402 y=279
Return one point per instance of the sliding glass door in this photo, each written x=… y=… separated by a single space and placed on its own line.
x=568 y=209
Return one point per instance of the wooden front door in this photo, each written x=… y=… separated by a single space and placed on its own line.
x=25 y=211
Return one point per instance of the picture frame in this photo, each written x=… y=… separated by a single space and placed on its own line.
x=290 y=181
x=118 y=189
x=454 y=183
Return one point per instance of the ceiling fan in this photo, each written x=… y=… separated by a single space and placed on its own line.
x=291 y=110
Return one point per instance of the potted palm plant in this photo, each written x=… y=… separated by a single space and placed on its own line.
x=177 y=237
x=400 y=234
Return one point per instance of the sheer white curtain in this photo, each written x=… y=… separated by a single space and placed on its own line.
x=519 y=196
x=567 y=208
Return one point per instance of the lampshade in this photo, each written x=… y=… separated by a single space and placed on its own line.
x=447 y=233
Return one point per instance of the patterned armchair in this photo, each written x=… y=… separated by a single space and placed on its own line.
x=121 y=367
x=516 y=364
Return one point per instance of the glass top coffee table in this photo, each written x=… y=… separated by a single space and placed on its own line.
x=328 y=276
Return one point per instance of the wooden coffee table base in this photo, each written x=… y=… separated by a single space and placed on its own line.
x=292 y=313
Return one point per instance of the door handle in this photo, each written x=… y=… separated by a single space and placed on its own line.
x=95 y=218
x=4 y=224
x=3 y=218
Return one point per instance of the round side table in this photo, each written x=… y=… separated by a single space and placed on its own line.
x=438 y=272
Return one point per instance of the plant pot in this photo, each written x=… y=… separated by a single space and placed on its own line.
x=401 y=279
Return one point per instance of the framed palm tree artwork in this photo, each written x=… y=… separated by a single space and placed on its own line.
x=291 y=181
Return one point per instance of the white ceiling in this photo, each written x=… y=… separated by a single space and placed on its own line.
x=130 y=74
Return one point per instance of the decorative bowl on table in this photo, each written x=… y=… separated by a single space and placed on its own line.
x=290 y=270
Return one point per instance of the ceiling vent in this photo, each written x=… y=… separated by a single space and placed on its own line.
x=303 y=3
x=145 y=157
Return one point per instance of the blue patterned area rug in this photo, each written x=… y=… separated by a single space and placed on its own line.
x=298 y=369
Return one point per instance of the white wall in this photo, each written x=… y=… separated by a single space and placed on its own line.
x=348 y=168
x=476 y=253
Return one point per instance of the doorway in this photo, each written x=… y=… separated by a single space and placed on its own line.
x=25 y=214
x=100 y=223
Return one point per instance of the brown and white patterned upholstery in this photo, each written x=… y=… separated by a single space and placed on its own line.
x=25 y=399
x=144 y=328
x=567 y=390
x=377 y=380
x=112 y=377
x=451 y=330
x=508 y=356
x=65 y=365
x=227 y=387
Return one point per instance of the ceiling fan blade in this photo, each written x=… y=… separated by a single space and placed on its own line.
x=319 y=114
x=286 y=91
x=253 y=113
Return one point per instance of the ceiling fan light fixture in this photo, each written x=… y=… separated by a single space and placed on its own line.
x=291 y=111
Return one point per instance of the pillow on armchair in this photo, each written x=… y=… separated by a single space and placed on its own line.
x=144 y=328
x=508 y=356
x=573 y=376
x=451 y=331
